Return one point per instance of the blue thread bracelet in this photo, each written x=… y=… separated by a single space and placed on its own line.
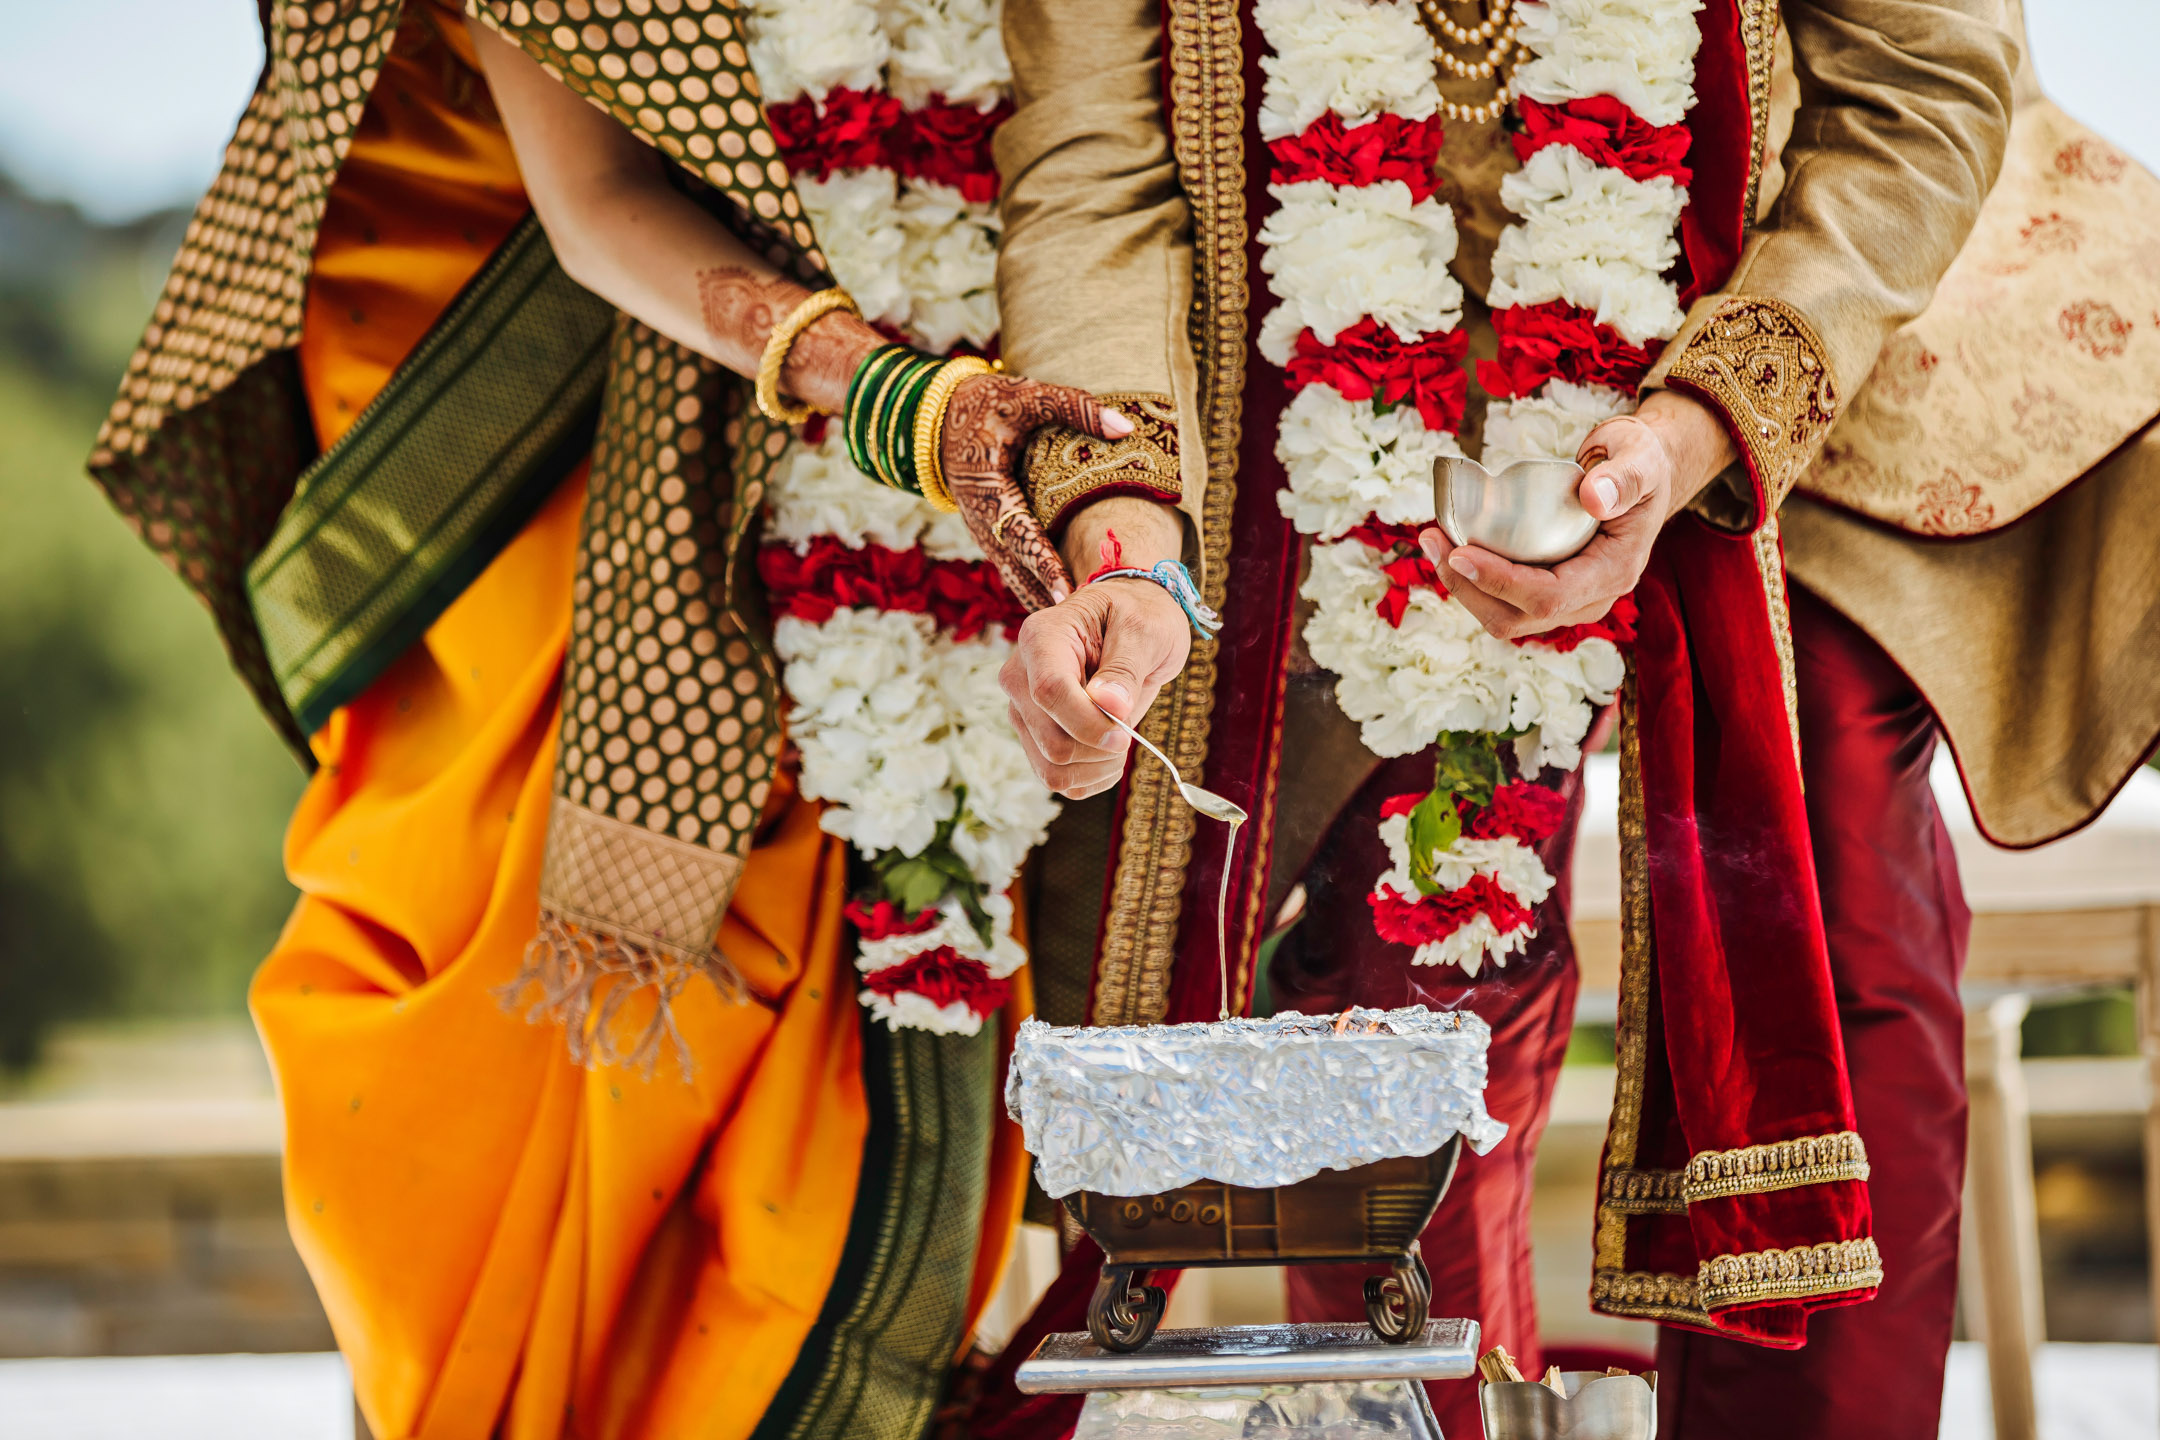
x=1176 y=579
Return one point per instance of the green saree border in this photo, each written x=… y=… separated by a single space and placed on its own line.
x=877 y=1361
x=480 y=423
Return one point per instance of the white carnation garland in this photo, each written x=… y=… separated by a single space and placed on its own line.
x=1417 y=666
x=901 y=726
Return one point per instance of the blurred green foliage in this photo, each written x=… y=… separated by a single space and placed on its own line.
x=2099 y=1024
x=141 y=797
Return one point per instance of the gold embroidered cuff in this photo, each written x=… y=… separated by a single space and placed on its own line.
x=1801 y=1273
x=1760 y=363
x=1066 y=468
x=1759 y=1169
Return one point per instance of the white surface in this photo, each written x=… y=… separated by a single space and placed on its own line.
x=2087 y=1392
x=2112 y=862
x=186 y=1397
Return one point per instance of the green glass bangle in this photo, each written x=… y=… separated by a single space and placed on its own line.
x=857 y=422
x=860 y=389
x=882 y=404
x=899 y=438
x=879 y=406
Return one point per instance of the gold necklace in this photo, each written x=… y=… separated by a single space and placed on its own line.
x=1501 y=27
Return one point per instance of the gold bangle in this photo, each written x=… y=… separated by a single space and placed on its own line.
x=770 y=402
x=930 y=427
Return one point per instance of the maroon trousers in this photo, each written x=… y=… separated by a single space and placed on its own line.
x=1897 y=925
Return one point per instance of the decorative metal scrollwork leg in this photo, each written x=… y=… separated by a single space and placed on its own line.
x=1398 y=1304
x=1122 y=1313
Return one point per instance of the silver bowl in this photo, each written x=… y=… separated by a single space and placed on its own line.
x=1527 y=513
x=1597 y=1407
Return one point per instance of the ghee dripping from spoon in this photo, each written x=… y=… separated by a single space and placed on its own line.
x=1214 y=807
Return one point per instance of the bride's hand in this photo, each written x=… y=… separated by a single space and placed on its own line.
x=986 y=430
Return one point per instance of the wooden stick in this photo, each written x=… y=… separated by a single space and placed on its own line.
x=1497 y=1365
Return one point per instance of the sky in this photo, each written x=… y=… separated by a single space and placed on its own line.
x=124 y=106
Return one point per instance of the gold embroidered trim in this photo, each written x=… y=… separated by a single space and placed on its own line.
x=1770 y=560
x=1207 y=113
x=1632 y=1022
x=1785 y=1165
x=1648 y=1295
x=1761 y=363
x=1065 y=467
x=1758 y=34
x=1643 y=1192
x=1801 y=1273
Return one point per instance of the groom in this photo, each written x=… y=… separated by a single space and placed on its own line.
x=1133 y=189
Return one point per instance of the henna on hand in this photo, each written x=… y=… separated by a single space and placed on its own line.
x=741 y=307
x=987 y=428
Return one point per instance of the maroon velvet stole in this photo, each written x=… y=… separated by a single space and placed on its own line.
x=1732 y=1196
x=1733 y=1192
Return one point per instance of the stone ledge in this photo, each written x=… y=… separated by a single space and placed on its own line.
x=139 y=1129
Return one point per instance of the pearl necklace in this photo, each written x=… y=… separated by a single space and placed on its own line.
x=1503 y=28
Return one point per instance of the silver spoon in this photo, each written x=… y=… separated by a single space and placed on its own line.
x=1212 y=805
x=1207 y=802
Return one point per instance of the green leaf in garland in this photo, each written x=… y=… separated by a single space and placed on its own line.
x=1469 y=765
x=1435 y=825
x=912 y=883
x=917 y=882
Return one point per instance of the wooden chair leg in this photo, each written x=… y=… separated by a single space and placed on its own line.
x=2148 y=1031
x=2005 y=1230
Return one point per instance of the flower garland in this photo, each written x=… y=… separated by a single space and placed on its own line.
x=890 y=622
x=1357 y=251
x=885 y=113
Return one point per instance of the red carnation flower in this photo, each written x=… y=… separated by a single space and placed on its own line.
x=964 y=597
x=1527 y=811
x=942 y=976
x=1406 y=568
x=950 y=144
x=1609 y=133
x=832 y=575
x=1369 y=361
x=1387 y=148
x=1426 y=919
x=967 y=597
x=1399 y=805
x=848 y=130
x=1618 y=626
x=791 y=582
x=1538 y=342
x=882 y=919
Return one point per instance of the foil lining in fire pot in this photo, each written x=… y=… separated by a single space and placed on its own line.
x=1140 y=1109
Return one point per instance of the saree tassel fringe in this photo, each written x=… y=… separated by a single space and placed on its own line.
x=588 y=978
